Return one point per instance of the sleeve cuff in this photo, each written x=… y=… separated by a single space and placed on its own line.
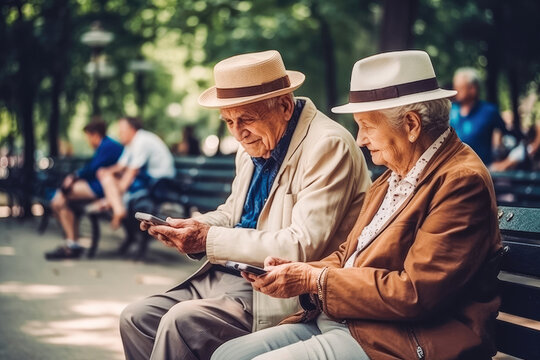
x=211 y=239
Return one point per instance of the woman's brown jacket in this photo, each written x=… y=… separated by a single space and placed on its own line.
x=414 y=292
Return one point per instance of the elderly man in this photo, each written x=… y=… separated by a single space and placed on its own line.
x=300 y=182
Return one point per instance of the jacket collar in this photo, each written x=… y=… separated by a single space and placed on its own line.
x=447 y=150
x=304 y=122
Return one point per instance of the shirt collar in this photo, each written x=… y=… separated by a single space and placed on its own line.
x=279 y=152
x=413 y=175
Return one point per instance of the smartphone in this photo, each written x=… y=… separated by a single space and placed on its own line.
x=151 y=219
x=255 y=270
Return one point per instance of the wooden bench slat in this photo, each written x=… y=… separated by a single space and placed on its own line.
x=520 y=299
x=517 y=340
x=523 y=258
x=199 y=174
x=201 y=162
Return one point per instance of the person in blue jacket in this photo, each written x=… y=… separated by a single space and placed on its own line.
x=82 y=185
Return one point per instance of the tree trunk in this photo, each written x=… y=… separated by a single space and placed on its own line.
x=27 y=85
x=329 y=66
x=513 y=81
x=59 y=69
x=329 y=57
x=396 y=26
x=54 y=119
x=493 y=53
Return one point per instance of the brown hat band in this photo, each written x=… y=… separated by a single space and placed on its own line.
x=391 y=92
x=279 y=83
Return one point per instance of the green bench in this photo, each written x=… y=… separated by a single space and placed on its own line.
x=201 y=184
x=518 y=326
x=517 y=188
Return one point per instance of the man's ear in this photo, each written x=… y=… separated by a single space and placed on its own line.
x=413 y=124
x=286 y=104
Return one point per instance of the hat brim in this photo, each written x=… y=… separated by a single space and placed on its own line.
x=209 y=97
x=352 y=108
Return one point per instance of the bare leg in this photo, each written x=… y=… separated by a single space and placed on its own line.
x=80 y=190
x=113 y=193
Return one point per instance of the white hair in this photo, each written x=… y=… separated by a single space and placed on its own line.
x=470 y=75
x=272 y=102
x=433 y=113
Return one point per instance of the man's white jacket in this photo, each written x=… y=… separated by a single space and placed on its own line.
x=313 y=204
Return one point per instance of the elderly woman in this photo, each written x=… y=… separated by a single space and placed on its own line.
x=406 y=283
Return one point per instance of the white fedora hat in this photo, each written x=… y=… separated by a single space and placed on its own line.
x=392 y=79
x=248 y=78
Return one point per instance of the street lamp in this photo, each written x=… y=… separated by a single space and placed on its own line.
x=98 y=68
x=140 y=67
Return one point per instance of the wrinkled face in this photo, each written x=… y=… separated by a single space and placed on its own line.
x=257 y=128
x=125 y=132
x=388 y=145
x=466 y=90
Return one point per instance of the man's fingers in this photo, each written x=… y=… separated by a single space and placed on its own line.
x=246 y=276
x=169 y=231
x=176 y=223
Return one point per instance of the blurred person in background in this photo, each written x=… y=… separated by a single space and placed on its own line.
x=190 y=144
x=145 y=160
x=300 y=181
x=82 y=185
x=476 y=122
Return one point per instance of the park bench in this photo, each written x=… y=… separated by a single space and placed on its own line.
x=517 y=188
x=201 y=184
x=518 y=325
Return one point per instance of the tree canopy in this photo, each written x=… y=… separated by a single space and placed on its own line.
x=46 y=92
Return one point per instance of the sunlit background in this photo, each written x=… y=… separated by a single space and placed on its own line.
x=62 y=62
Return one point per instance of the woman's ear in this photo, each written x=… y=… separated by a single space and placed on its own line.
x=413 y=125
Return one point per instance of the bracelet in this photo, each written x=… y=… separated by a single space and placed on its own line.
x=319 y=285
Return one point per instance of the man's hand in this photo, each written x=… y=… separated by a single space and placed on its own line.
x=186 y=235
x=68 y=182
x=285 y=279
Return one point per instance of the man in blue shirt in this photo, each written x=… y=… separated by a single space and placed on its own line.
x=82 y=185
x=476 y=122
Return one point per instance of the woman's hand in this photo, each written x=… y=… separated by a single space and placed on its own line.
x=285 y=279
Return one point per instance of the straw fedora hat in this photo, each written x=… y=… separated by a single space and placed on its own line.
x=392 y=79
x=248 y=78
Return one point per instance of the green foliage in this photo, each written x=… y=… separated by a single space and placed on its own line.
x=185 y=38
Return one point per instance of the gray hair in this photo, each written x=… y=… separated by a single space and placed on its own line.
x=469 y=74
x=272 y=102
x=434 y=114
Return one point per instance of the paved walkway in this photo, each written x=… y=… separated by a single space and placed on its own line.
x=69 y=309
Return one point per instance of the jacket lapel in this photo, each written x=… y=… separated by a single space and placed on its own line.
x=306 y=117
x=244 y=178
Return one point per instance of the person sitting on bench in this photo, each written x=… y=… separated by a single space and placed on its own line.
x=83 y=185
x=408 y=283
x=300 y=181
x=145 y=160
